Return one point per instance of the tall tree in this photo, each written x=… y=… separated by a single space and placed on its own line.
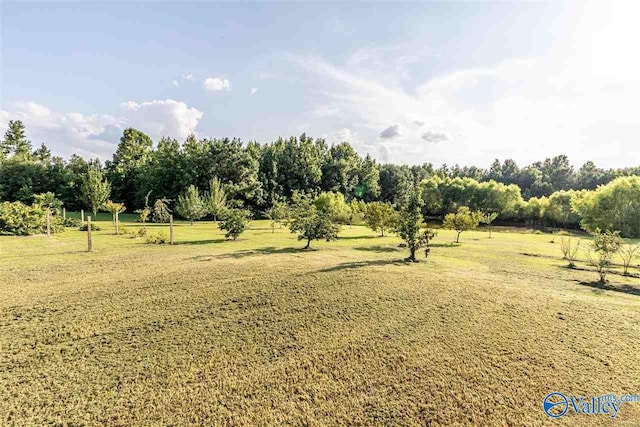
x=410 y=222
x=95 y=189
x=15 y=141
x=190 y=206
x=216 y=198
x=126 y=169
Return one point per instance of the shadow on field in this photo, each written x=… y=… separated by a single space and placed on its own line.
x=597 y=286
x=361 y=264
x=378 y=249
x=200 y=242
x=358 y=237
x=245 y=253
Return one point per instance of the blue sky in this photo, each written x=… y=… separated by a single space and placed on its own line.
x=407 y=82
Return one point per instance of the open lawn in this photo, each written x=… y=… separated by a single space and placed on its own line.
x=259 y=332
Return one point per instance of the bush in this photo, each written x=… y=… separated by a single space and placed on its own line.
x=159 y=238
x=235 y=222
x=18 y=219
x=94 y=227
x=72 y=222
x=142 y=232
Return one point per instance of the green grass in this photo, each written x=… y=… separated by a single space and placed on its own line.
x=259 y=332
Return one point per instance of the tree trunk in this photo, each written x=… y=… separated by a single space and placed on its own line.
x=412 y=254
x=382 y=230
x=308 y=244
x=191 y=221
x=489 y=231
x=458 y=237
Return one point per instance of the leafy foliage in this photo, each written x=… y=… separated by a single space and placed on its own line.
x=487 y=219
x=313 y=222
x=216 y=199
x=380 y=216
x=161 y=212
x=190 y=206
x=569 y=248
x=277 y=213
x=603 y=248
x=234 y=222
x=95 y=189
x=464 y=219
x=628 y=253
x=410 y=223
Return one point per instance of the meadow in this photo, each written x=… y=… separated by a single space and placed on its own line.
x=259 y=332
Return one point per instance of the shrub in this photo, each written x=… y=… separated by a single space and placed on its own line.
x=18 y=219
x=72 y=222
x=234 y=222
x=159 y=238
x=605 y=246
x=628 y=253
x=94 y=227
x=142 y=232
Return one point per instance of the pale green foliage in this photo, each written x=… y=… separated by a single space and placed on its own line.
x=19 y=219
x=312 y=222
x=535 y=209
x=161 y=212
x=114 y=208
x=487 y=219
x=143 y=214
x=234 y=222
x=463 y=220
x=333 y=205
x=615 y=206
x=276 y=214
x=559 y=208
x=357 y=209
x=95 y=190
x=380 y=216
x=409 y=225
x=190 y=206
x=15 y=141
x=215 y=199
x=628 y=253
x=603 y=248
x=159 y=238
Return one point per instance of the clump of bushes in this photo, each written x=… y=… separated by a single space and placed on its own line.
x=234 y=222
x=72 y=222
x=94 y=227
x=159 y=238
x=18 y=219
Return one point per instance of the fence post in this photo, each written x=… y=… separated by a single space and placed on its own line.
x=48 y=222
x=82 y=215
x=171 y=229
x=117 y=225
x=64 y=214
x=89 y=243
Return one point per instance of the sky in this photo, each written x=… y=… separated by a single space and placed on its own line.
x=454 y=83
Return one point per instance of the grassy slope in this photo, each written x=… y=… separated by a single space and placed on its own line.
x=258 y=332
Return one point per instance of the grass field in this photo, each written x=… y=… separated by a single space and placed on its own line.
x=259 y=332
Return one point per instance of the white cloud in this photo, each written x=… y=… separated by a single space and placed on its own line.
x=253 y=91
x=217 y=84
x=97 y=135
x=175 y=83
x=187 y=77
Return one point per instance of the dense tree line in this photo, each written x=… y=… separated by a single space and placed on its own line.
x=260 y=177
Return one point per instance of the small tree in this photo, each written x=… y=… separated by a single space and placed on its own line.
x=357 y=209
x=161 y=212
x=311 y=222
x=380 y=216
x=410 y=223
x=234 y=222
x=569 y=250
x=144 y=213
x=95 y=190
x=628 y=253
x=190 y=206
x=462 y=220
x=488 y=219
x=216 y=199
x=605 y=246
x=115 y=209
x=276 y=214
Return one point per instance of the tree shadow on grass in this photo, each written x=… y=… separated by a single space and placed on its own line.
x=250 y=252
x=200 y=242
x=378 y=249
x=598 y=287
x=358 y=237
x=362 y=264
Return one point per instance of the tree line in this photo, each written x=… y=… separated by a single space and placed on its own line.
x=258 y=178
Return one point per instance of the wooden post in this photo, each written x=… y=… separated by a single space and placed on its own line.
x=117 y=225
x=48 y=222
x=89 y=243
x=64 y=214
x=82 y=215
x=171 y=229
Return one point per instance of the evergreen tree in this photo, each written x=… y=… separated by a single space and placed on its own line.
x=190 y=206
